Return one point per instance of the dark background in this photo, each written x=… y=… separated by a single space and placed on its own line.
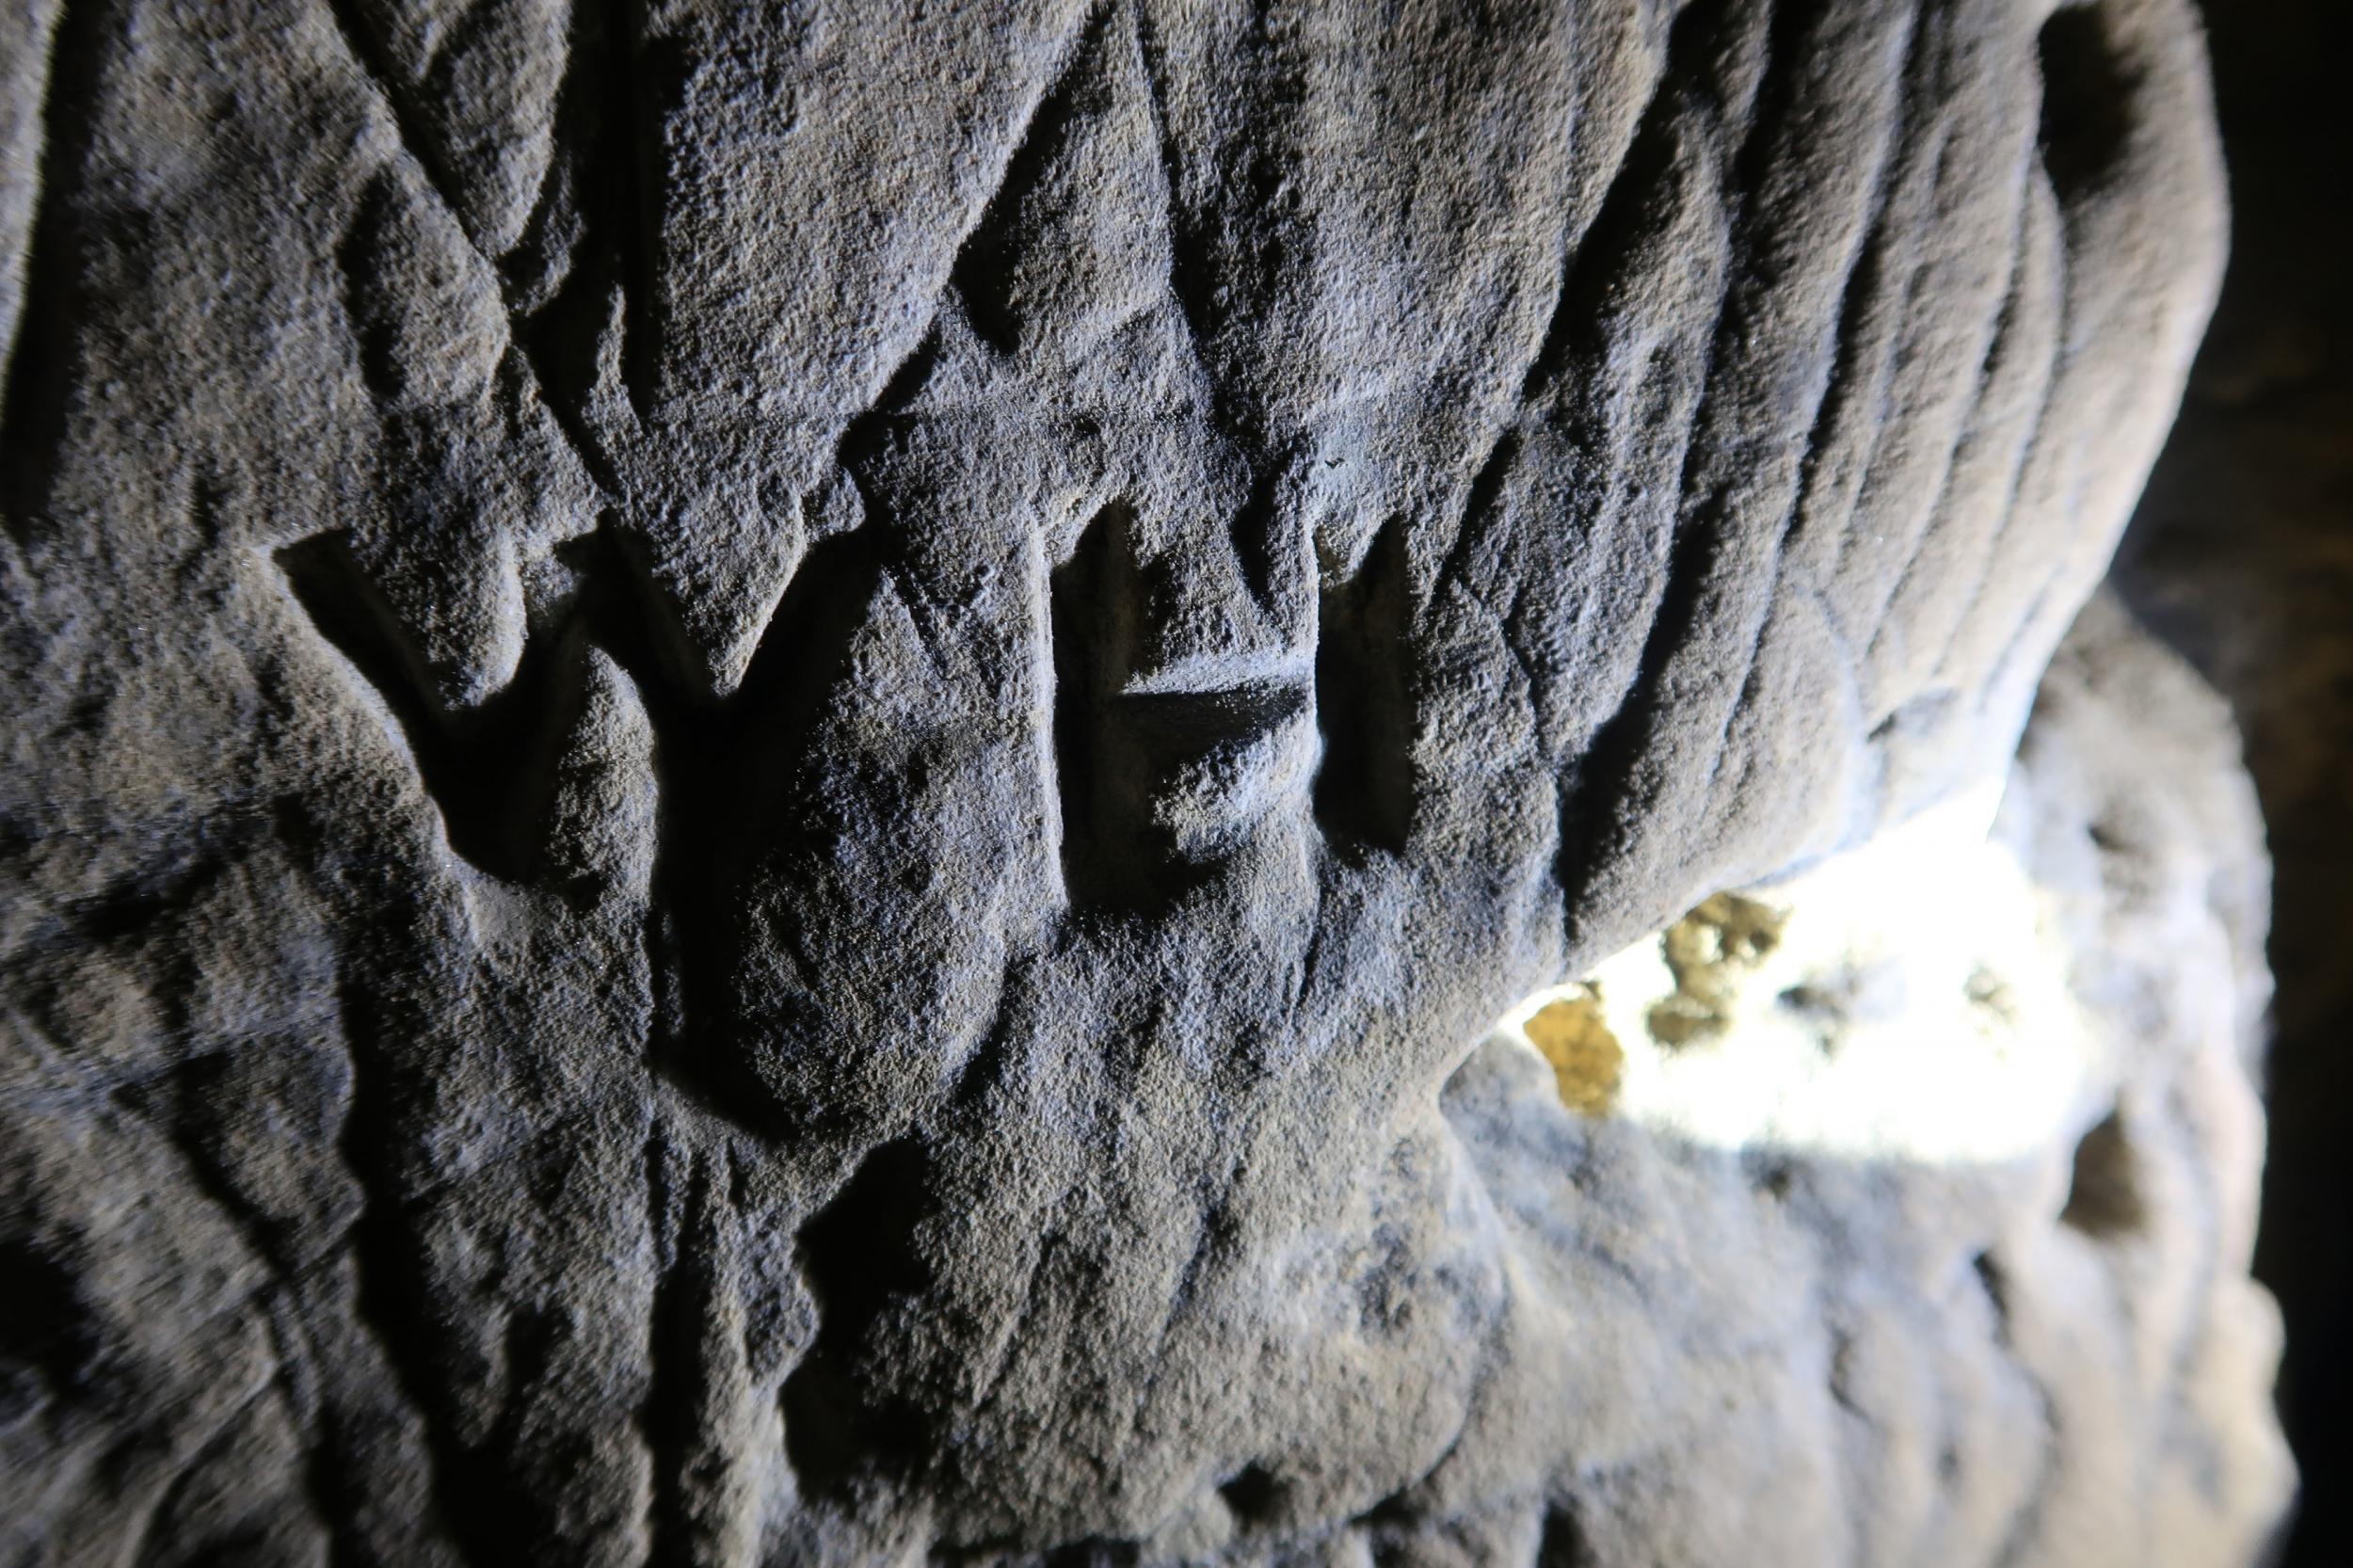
x=2242 y=556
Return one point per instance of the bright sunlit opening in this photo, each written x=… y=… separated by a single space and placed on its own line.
x=1907 y=1000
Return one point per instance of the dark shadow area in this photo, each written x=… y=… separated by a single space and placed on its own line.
x=1253 y=1495
x=2104 y=1198
x=2085 y=102
x=1363 y=788
x=1095 y=597
x=45 y=1339
x=860 y=1258
x=2242 y=557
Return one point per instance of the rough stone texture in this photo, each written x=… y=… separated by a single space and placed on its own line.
x=2242 y=556
x=769 y=769
x=1781 y=1351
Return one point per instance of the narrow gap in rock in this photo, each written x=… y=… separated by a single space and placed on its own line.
x=1364 y=787
x=674 y=1345
x=1094 y=598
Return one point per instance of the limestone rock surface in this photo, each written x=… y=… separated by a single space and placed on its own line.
x=773 y=770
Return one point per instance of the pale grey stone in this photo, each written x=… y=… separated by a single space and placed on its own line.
x=769 y=767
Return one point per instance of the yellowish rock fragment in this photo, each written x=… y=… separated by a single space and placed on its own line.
x=1587 y=1060
x=1707 y=951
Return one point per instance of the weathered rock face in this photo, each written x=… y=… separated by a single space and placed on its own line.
x=770 y=770
x=2242 y=557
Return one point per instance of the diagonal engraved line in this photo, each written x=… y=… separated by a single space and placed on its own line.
x=441 y=181
x=376 y=70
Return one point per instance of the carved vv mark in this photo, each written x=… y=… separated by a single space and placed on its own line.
x=722 y=769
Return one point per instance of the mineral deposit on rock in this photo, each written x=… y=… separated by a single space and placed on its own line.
x=798 y=783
